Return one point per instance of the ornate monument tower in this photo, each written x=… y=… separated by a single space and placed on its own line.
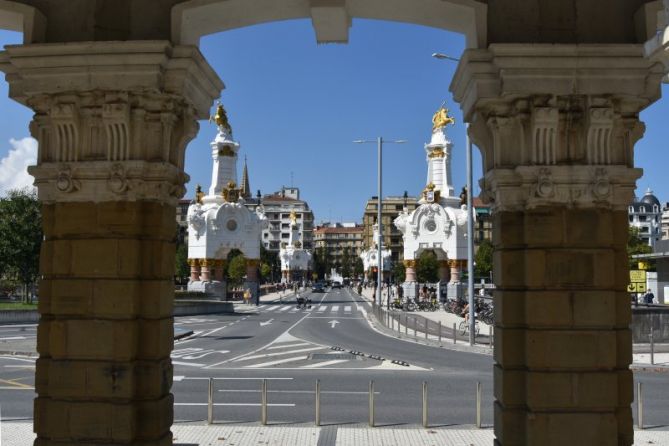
x=219 y=222
x=371 y=263
x=439 y=224
x=295 y=261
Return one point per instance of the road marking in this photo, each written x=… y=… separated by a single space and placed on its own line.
x=12 y=338
x=261 y=307
x=194 y=378
x=20 y=366
x=191 y=364
x=178 y=378
x=299 y=344
x=278 y=361
x=332 y=392
x=15 y=384
x=347 y=308
x=285 y=308
x=324 y=364
x=322 y=308
x=333 y=324
x=16 y=388
x=14 y=358
x=271 y=308
x=309 y=309
x=290 y=352
x=335 y=308
x=19 y=326
x=237 y=404
x=295 y=310
x=262 y=324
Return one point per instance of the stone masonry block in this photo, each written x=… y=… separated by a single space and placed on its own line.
x=569 y=269
x=74 y=219
x=48 y=216
x=44 y=336
x=157 y=417
x=623 y=309
x=153 y=378
x=116 y=299
x=621 y=277
x=94 y=339
x=508 y=229
x=548 y=309
x=113 y=423
x=509 y=386
x=509 y=309
x=589 y=228
x=158 y=219
x=509 y=425
x=510 y=347
x=625 y=387
x=571 y=391
x=509 y=267
x=50 y=418
x=557 y=429
x=544 y=228
x=95 y=258
x=92 y=380
x=61 y=257
x=535 y=266
x=156 y=298
x=44 y=302
x=120 y=217
x=594 y=309
x=156 y=338
x=570 y=350
x=42 y=376
x=46 y=258
x=71 y=297
x=625 y=425
x=623 y=338
x=130 y=259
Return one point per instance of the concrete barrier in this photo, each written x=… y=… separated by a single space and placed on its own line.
x=18 y=316
x=644 y=317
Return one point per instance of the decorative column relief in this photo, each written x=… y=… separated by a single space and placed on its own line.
x=556 y=125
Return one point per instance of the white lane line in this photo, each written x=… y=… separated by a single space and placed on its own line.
x=278 y=361
x=335 y=308
x=191 y=364
x=12 y=338
x=18 y=326
x=17 y=388
x=331 y=392
x=299 y=344
x=261 y=307
x=13 y=358
x=347 y=308
x=309 y=309
x=237 y=404
x=324 y=364
x=195 y=378
x=20 y=366
x=285 y=308
x=322 y=308
x=295 y=310
x=271 y=308
x=290 y=352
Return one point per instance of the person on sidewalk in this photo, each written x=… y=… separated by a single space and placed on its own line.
x=649 y=297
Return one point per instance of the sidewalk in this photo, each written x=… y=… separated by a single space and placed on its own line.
x=20 y=434
x=241 y=307
x=641 y=355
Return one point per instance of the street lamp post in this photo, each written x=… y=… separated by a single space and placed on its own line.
x=470 y=223
x=379 y=141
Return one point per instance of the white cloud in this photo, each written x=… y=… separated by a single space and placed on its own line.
x=14 y=167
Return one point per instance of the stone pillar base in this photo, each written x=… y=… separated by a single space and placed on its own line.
x=410 y=290
x=210 y=289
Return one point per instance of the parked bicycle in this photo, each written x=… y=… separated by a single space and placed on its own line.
x=463 y=328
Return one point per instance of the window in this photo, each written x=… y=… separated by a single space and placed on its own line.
x=631 y=218
x=642 y=209
x=642 y=218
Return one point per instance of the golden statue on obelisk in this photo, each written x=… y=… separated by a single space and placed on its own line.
x=221 y=119
x=441 y=119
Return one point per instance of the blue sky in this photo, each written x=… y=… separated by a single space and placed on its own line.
x=296 y=106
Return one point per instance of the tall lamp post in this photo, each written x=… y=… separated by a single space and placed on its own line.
x=470 y=223
x=379 y=141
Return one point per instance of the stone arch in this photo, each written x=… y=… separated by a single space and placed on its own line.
x=22 y=18
x=331 y=18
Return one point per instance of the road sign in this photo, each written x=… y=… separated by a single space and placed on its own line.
x=638 y=276
x=636 y=287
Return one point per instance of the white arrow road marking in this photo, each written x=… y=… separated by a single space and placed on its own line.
x=333 y=323
x=262 y=324
x=289 y=352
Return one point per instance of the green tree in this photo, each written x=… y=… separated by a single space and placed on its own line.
x=346 y=263
x=399 y=272
x=182 y=270
x=636 y=245
x=358 y=267
x=20 y=237
x=236 y=270
x=322 y=262
x=271 y=259
x=265 y=271
x=483 y=259
x=427 y=267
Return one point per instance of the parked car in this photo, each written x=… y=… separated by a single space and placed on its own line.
x=336 y=284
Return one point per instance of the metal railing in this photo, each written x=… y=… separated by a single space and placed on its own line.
x=264 y=402
x=420 y=327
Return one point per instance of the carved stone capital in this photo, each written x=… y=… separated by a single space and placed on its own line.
x=528 y=187
x=116 y=124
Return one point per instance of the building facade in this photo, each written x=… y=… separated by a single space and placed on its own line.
x=335 y=238
x=278 y=208
x=392 y=237
x=483 y=223
x=646 y=215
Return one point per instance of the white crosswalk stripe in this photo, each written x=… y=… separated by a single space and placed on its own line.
x=285 y=308
x=347 y=308
x=335 y=308
x=322 y=308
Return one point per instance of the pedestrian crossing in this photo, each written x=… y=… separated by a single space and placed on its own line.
x=316 y=308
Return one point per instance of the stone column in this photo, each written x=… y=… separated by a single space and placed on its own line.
x=218 y=272
x=252 y=278
x=557 y=125
x=194 y=269
x=455 y=267
x=205 y=272
x=112 y=120
x=410 y=286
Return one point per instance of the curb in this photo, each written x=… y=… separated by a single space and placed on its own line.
x=649 y=368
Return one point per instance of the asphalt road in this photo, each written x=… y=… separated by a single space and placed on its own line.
x=293 y=348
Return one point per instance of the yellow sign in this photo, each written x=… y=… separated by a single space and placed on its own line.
x=638 y=276
x=636 y=288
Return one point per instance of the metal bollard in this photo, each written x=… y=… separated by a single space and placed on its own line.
x=263 y=403
x=455 y=334
x=652 y=347
x=639 y=402
x=371 y=404
x=492 y=335
x=406 y=324
x=439 y=331
x=427 y=326
x=210 y=402
x=318 y=402
x=425 y=414
x=478 y=404
x=414 y=326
